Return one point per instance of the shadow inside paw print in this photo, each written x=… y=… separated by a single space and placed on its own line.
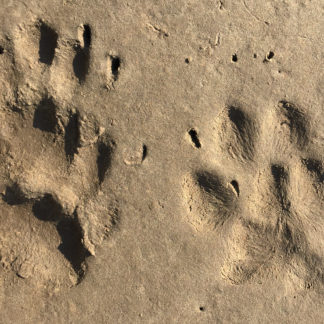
x=45 y=116
x=69 y=229
x=47 y=43
x=270 y=203
x=81 y=60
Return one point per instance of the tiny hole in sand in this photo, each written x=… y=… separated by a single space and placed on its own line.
x=202 y=308
x=194 y=137
x=187 y=61
x=234 y=58
x=255 y=55
x=270 y=55
x=1 y=50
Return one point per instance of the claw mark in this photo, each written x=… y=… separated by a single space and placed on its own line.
x=144 y=155
x=194 y=137
x=235 y=186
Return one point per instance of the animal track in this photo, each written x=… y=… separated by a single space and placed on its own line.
x=268 y=203
x=60 y=57
x=58 y=186
x=54 y=162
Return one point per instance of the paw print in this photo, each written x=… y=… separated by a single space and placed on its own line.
x=54 y=159
x=266 y=199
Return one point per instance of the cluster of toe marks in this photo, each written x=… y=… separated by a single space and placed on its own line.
x=42 y=49
x=48 y=42
x=268 y=200
x=53 y=165
x=54 y=160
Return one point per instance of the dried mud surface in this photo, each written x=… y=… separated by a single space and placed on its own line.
x=161 y=162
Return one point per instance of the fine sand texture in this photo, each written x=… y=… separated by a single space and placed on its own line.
x=161 y=161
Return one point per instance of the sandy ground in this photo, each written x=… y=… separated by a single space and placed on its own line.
x=161 y=161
